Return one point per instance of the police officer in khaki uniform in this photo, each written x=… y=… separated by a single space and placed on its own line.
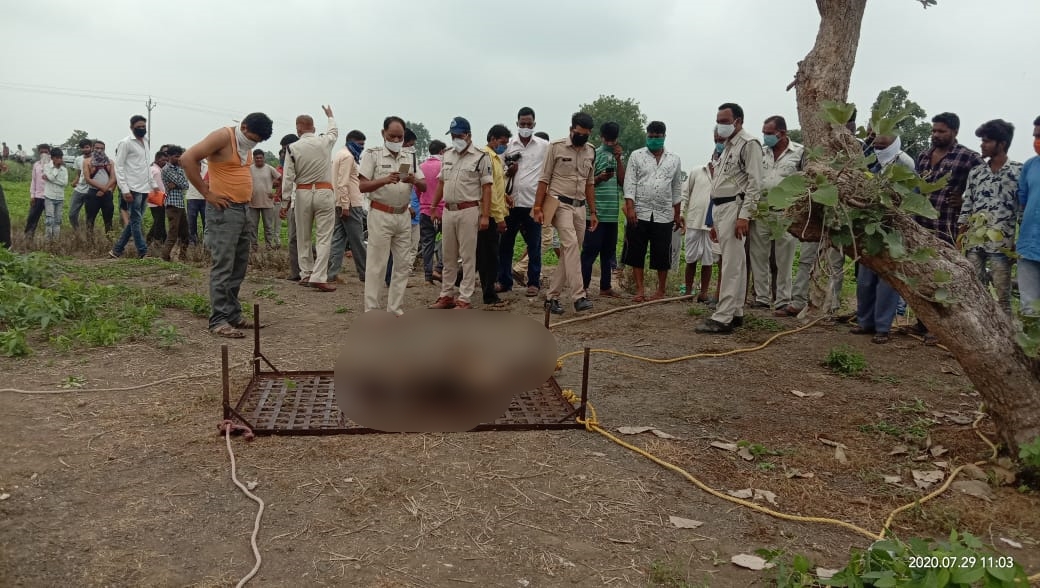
x=465 y=188
x=566 y=189
x=386 y=175
x=735 y=190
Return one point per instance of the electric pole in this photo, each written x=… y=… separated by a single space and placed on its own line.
x=150 y=105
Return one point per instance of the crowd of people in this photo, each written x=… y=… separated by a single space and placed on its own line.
x=383 y=208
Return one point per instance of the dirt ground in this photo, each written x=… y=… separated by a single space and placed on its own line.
x=134 y=488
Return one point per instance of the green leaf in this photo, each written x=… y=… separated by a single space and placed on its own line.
x=894 y=240
x=995 y=235
x=929 y=187
x=787 y=192
x=841 y=239
x=942 y=295
x=1002 y=574
x=801 y=563
x=967 y=575
x=922 y=255
x=826 y=194
x=898 y=173
x=919 y=205
x=941 y=276
x=838 y=113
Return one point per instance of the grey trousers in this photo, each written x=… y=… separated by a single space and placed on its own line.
x=76 y=202
x=227 y=239
x=349 y=230
x=294 y=258
x=272 y=226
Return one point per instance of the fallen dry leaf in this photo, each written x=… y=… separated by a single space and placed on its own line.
x=766 y=495
x=1014 y=544
x=597 y=454
x=826 y=441
x=751 y=562
x=4 y=496
x=1003 y=476
x=662 y=434
x=795 y=473
x=947 y=369
x=724 y=446
x=633 y=430
x=893 y=479
x=252 y=485
x=976 y=488
x=681 y=523
x=801 y=394
x=746 y=454
x=974 y=472
x=938 y=450
x=926 y=478
x=825 y=574
x=960 y=419
x=745 y=494
x=839 y=454
x=899 y=450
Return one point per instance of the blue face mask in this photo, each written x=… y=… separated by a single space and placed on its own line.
x=500 y=149
x=770 y=140
x=720 y=147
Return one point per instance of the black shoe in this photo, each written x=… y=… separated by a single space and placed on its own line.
x=714 y=326
x=582 y=304
x=738 y=321
x=554 y=306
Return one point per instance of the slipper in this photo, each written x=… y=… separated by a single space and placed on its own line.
x=609 y=293
x=656 y=296
x=639 y=298
x=243 y=324
x=861 y=331
x=227 y=331
x=880 y=338
x=931 y=340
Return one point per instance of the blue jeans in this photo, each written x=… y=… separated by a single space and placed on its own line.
x=519 y=220
x=1029 y=286
x=876 y=301
x=1000 y=274
x=77 y=202
x=227 y=238
x=52 y=217
x=196 y=210
x=600 y=243
x=136 y=209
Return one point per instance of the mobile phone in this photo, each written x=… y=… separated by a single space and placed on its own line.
x=404 y=169
x=609 y=169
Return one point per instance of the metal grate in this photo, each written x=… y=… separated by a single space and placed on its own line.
x=304 y=403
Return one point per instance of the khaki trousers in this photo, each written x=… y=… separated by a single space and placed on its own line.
x=315 y=208
x=734 y=265
x=761 y=238
x=459 y=230
x=569 y=222
x=387 y=233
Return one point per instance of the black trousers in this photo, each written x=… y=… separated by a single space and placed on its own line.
x=487 y=261
x=5 y=221
x=36 y=207
x=102 y=203
x=157 y=233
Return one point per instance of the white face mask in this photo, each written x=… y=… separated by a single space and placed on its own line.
x=888 y=154
x=245 y=146
x=524 y=133
x=725 y=131
x=459 y=144
x=45 y=157
x=394 y=146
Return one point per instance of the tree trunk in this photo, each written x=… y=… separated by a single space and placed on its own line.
x=970 y=323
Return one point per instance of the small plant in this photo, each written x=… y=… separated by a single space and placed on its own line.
x=13 y=343
x=794 y=572
x=169 y=336
x=757 y=449
x=882 y=427
x=342 y=310
x=845 y=361
x=695 y=311
x=963 y=560
x=73 y=382
x=667 y=575
x=1029 y=453
x=756 y=323
x=269 y=293
x=918 y=406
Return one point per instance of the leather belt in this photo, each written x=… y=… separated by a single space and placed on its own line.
x=387 y=208
x=456 y=206
x=726 y=200
x=314 y=186
x=570 y=201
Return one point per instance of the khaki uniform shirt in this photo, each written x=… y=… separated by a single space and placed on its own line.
x=568 y=170
x=345 y=180
x=309 y=160
x=379 y=162
x=463 y=174
x=774 y=170
x=739 y=172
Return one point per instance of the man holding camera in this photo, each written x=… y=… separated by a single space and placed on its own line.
x=523 y=157
x=602 y=243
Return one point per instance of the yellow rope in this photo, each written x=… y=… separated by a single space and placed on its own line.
x=592 y=424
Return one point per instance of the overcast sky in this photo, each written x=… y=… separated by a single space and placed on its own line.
x=206 y=63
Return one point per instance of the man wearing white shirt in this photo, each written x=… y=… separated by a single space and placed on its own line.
x=700 y=250
x=653 y=191
x=55 y=177
x=133 y=174
x=79 y=182
x=781 y=157
x=524 y=155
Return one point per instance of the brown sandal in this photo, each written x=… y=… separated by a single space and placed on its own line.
x=881 y=338
x=227 y=331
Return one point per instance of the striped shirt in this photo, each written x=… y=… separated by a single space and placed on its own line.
x=607 y=195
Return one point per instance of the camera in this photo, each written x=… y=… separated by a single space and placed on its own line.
x=511 y=159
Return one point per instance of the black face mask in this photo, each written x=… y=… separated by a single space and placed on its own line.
x=578 y=139
x=139 y=132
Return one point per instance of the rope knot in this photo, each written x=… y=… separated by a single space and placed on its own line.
x=229 y=425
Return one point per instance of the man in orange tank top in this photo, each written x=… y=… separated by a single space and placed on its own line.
x=229 y=151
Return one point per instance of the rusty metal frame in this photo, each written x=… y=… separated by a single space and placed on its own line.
x=236 y=413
